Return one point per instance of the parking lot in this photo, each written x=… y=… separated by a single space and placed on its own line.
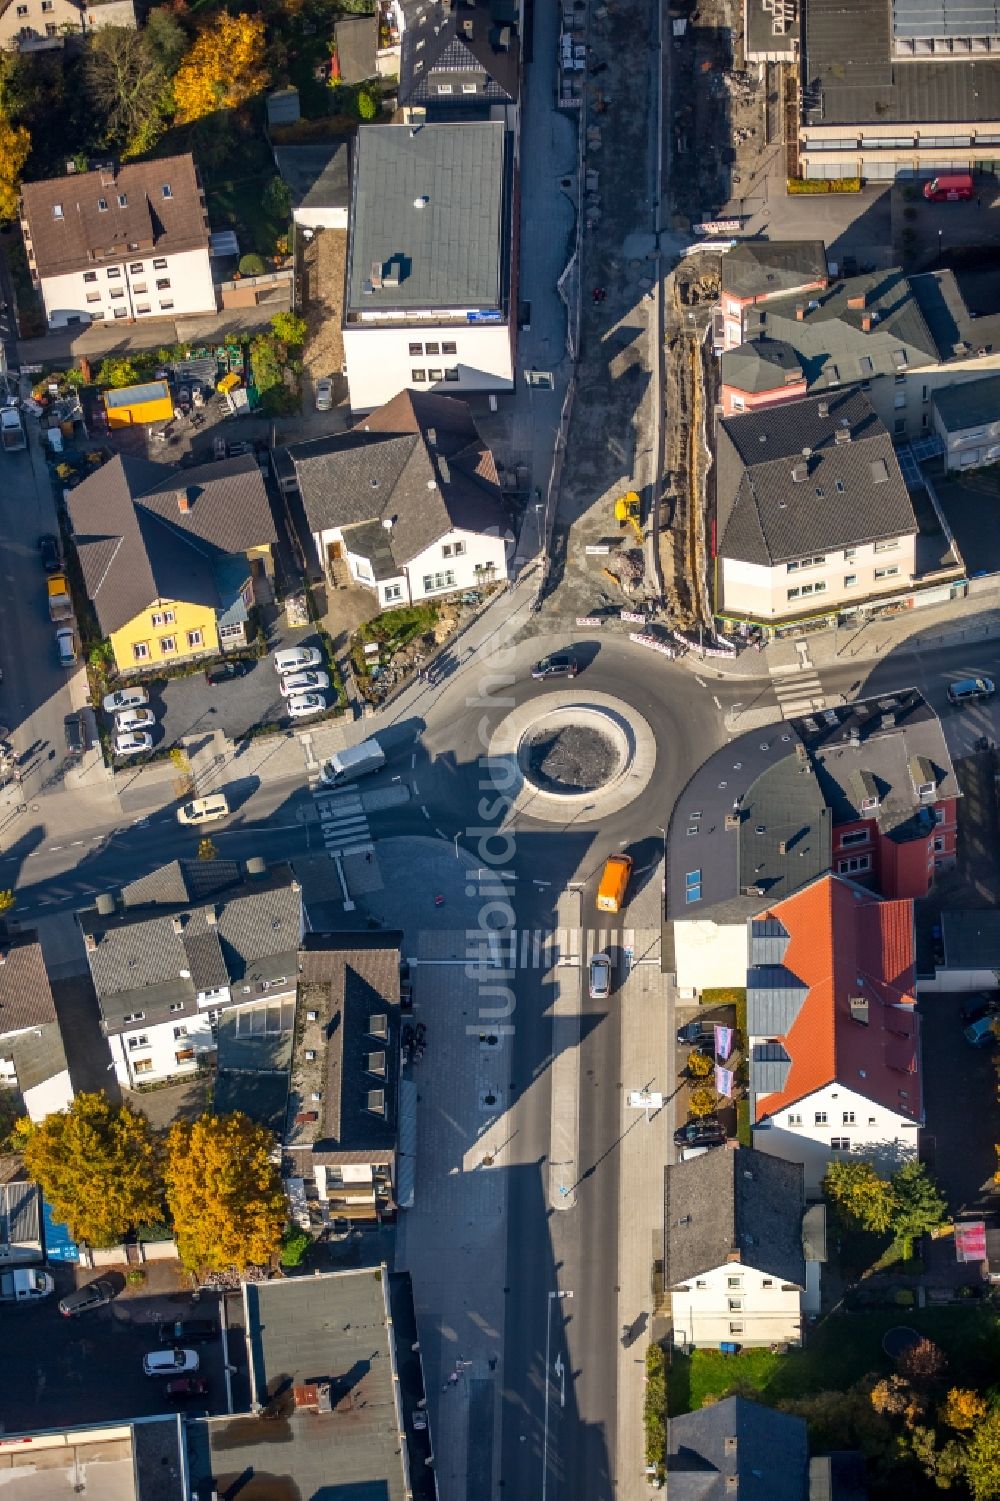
x=958 y=1143
x=59 y=1372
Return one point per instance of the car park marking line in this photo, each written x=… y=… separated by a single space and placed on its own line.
x=427 y=813
x=440 y=833
x=715 y=700
x=413 y=760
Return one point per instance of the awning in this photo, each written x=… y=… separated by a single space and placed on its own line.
x=406 y=1156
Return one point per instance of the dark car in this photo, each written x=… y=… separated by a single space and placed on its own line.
x=185 y=1387
x=48 y=547
x=76 y=734
x=561 y=665
x=187 y=1331
x=94 y=1295
x=228 y=672
x=696 y=1035
x=704 y=1133
x=983 y=1004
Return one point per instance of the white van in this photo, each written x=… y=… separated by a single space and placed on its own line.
x=204 y=809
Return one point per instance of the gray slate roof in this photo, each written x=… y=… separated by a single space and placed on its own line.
x=356 y=38
x=317 y=176
x=973 y=404
x=147 y=957
x=971 y=938
x=418 y=460
x=136 y=545
x=739 y=1204
x=757 y=268
x=850 y=494
x=25 y=992
x=451 y=250
x=463 y=45
x=761 y=365
x=765 y=1450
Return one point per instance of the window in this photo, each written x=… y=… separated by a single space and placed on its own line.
x=734 y=1281
x=468 y=88
x=166 y=190
x=416 y=349
x=163 y=283
x=22 y=10
x=57 y=211
x=453 y=549
x=444 y=88
x=886 y=573
x=136 y=268
x=46 y=7
x=162 y=617
x=184 y=1055
x=418 y=377
x=736 y=1328
x=117 y=292
x=393 y=591
x=899 y=427
x=195 y=638
x=855 y=866
x=90 y=276
x=432 y=349
x=142 y=1066
x=735 y=1305
x=795 y=1120
x=140 y=1040
x=93 y=296
x=939 y=845
x=140 y=650
x=850 y=553
x=159 y=265
x=925 y=394
x=888 y=546
x=819 y=1119
x=122 y=197
x=143 y=307
x=114 y=272
x=701 y=1282
x=767 y=1282
x=847 y=1118
x=168 y=644
x=449 y=347
x=166 y=307
x=840 y=1143
x=445 y=580
x=97 y=315
x=692 y=886
x=451 y=373
x=51 y=29
x=806 y=563
x=850 y=579
x=859 y=836
x=176 y=1006
x=230 y=633
x=180 y=1032
x=435 y=375
x=133 y=1016
x=793 y=593
x=139 y=287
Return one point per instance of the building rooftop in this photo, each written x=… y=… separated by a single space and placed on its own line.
x=840 y=1003
x=972 y=404
x=356 y=38
x=318 y=177
x=463 y=46
x=430 y=218
x=25 y=992
x=92 y=217
x=733 y=1206
x=806 y=477
x=20 y=1215
x=971 y=938
x=254 y=1055
x=737 y=1448
x=325 y=1373
x=763 y=268
x=761 y=364
x=772 y=28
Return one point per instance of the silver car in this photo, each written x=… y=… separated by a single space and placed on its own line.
x=600 y=977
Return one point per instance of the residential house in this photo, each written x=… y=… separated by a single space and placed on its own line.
x=341 y=1134
x=126 y=243
x=898 y=91
x=755 y=271
x=356 y=42
x=815 y=519
x=172 y=559
x=431 y=292
x=21 y=1236
x=407 y=503
x=41 y=25
x=318 y=178
x=460 y=61
x=733 y=1253
x=179 y=947
x=32 y=1056
x=867 y=790
x=334 y=1367
x=967 y=420
x=737 y=1448
x=901 y=339
x=833 y=1034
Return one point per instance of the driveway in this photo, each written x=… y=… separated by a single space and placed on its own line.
x=958 y=1143
x=59 y=1372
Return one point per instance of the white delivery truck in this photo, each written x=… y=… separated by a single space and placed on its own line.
x=355 y=761
x=24 y=1285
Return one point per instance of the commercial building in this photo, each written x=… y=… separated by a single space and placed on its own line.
x=126 y=243
x=431 y=263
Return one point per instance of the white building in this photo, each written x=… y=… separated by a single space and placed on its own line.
x=43 y=25
x=738 y=1263
x=123 y=244
x=181 y=945
x=406 y=504
x=833 y=1035
x=431 y=278
x=32 y=1056
x=967 y=419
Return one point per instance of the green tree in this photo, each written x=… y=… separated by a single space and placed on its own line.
x=941 y=1463
x=98 y=1165
x=252 y=264
x=858 y=1194
x=367 y=103
x=128 y=84
x=165 y=40
x=11 y=1106
x=290 y=329
x=265 y=362
x=224 y=1192
x=117 y=372
x=277 y=198
x=919 y=1204
x=982 y=1458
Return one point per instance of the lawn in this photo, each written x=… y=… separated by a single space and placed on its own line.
x=840 y=1350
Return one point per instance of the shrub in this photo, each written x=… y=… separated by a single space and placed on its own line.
x=368 y=103
x=823 y=184
x=654 y=1415
x=252 y=264
x=135 y=1276
x=294 y=1245
x=703 y=1101
x=699 y=1065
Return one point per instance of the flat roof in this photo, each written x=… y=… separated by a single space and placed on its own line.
x=429 y=208
x=130 y=396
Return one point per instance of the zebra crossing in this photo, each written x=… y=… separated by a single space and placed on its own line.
x=342 y=819
x=798 y=690
x=544 y=948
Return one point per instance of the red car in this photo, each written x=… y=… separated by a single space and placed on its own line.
x=186 y=1387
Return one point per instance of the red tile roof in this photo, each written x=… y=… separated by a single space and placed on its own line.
x=846 y=942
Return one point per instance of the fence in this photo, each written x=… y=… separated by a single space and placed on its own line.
x=133 y=1255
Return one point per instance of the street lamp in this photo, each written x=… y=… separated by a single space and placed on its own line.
x=561 y=1373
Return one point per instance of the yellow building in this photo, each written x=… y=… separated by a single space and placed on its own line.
x=133 y=405
x=173 y=565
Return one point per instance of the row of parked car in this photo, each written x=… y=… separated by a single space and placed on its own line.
x=133 y=720
x=302 y=680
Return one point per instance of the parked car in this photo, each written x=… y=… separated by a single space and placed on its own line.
x=304 y=704
x=76 y=734
x=189 y=1330
x=125 y=698
x=600 y=977
x=134 y=719
x=295 y=658
x=561 y=665
x=324 y=394
x=304 y=682
x=66 y=645
x=986 y=1003
x=94 y=1295
x=702 y=1133
x=696 y=1034
x=133 y=744
x=206 y=809
x=173 y=1362
x=982 y=1034
x=48 y=547
x=186 y=1387
x=971 y=690
x=229 y=672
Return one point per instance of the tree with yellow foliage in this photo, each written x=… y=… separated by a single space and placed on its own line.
x=962 y=1409
x=15 y=143
x=223 y=1192
x=223 y=68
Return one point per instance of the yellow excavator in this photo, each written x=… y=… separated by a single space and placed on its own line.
x=628 y=512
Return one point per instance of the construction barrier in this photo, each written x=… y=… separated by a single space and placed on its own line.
x=662 y=647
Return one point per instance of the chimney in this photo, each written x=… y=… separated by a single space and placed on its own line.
x=183 y=502
x=866 y=323
x=859 y=1009
x=782 y=846
x=211 y=918
x=800 y=756
x=800 y=312
x=888 y=721
x=857 y=302
x=823 y=409
x=842 y=435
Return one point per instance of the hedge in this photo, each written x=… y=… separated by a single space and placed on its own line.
x=823 y=184
x=655 y=1409
x=722 y=995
